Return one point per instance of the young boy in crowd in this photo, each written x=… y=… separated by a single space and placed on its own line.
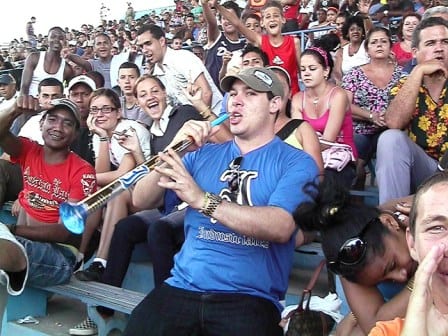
x=282 y=50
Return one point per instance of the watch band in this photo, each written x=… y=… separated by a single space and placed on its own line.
x=211 y=202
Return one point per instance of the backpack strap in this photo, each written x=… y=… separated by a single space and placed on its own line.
x=289 y=128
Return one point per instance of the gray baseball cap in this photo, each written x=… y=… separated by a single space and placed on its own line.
x=258 y=79
x=68 y=105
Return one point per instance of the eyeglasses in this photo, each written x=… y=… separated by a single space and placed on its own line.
x=103 y=110
x=353 y=251
x=234 y=180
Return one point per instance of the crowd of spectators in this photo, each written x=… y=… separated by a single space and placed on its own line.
x=132 y=84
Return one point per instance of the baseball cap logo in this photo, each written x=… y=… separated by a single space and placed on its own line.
x=265 y=78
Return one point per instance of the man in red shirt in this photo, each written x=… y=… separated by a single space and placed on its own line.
x=52 y=174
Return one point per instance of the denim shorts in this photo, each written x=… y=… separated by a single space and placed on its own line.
x=49 y=263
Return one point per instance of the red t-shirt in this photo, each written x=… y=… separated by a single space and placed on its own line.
x=290 y=11
x=401 y=55
x=45 y=186
x=284 y=56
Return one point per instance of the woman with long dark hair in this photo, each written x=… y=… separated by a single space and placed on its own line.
x=366 y=247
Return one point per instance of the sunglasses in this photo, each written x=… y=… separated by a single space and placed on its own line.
x=234 y=180
x=353 y=251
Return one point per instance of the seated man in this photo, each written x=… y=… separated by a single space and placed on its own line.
x=11 y=174
x=52 y=174
x=239 y=231
x=405 y=159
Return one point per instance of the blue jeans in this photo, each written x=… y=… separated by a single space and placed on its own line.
x=169 y=311
x=401 y=165
x=366 y=145
x=50 y=264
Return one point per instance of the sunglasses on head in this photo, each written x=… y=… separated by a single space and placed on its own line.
x=352 y=252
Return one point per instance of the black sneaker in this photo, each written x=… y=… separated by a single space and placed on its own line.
x=92 y=273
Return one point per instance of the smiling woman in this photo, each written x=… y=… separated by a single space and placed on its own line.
x=167 y=120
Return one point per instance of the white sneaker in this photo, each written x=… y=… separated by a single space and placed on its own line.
x=87 y=327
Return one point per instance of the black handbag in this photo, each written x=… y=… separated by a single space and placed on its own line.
x=306 y=322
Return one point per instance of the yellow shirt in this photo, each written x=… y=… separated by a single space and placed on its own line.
x=292 y=140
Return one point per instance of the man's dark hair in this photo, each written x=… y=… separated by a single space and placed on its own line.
x=105 y=35
x=251 y=48
x=156 y=31
x=273 y=4
x=179 y=35
x=427 y=23
x=232 y=5
x=97 y=77
x=130 y=65
x=56 y=28
x=251 y=16
x=50 y=81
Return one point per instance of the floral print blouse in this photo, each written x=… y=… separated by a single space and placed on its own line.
x=368 y=96
x=429 y=124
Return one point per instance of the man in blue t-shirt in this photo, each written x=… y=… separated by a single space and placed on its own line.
x=234 y=265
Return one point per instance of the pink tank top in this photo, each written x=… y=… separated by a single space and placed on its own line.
x=345 y=135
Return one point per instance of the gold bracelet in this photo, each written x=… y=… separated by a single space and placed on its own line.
x=211 y=202
x=410 y=284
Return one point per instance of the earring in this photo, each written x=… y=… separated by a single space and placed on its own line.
x=325 y=77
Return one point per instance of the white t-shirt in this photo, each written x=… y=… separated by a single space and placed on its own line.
x=31 y=129
x=179 y=67
x=116 y=151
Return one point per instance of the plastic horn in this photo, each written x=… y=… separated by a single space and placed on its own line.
x=73 y=215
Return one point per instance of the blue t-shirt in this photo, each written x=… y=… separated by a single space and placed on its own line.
x=214 y=258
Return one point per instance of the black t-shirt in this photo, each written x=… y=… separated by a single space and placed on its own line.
x=178 y=116
x=83 y=146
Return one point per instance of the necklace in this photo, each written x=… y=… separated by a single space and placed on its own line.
x=315 y=102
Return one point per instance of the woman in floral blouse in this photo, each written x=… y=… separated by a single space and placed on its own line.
x=368 y=89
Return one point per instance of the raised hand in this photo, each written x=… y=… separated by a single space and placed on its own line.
x=176 y=177
x=432 y=68
x=91 y=124
x=129 y=140
x=363 y=6
x=421 y=300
